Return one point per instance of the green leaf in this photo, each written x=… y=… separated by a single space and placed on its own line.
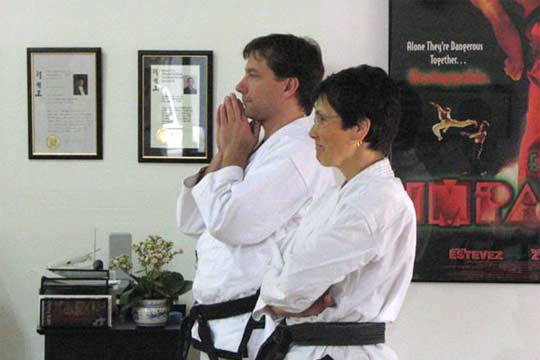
x=136 y=278
x=155 y=275
x=163 y=293
x=187 y=287
x=145 y=283
x=172 y=281
x=133 y=300
x=126 y=295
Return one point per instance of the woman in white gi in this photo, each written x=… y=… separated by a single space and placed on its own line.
x=346 y=270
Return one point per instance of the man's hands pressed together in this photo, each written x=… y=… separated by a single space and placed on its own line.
x=236 y=136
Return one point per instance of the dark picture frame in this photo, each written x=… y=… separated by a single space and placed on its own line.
x=175 y=106
x=64 y=103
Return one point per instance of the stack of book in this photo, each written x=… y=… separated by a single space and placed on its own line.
x=75 y=298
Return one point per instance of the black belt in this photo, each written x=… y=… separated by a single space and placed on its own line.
x=202 y=313
x=277 y=345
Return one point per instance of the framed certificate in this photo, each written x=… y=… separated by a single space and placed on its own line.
x=175 y=106
x=64 y=103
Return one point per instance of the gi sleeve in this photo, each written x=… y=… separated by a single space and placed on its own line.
x=345 y=246
x=188 y=217
x=240 y=209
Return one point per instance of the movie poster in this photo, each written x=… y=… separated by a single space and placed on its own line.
x=468 y=149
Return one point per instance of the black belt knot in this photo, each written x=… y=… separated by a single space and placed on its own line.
x=277 y=346
x=282 y=334
x=202 y=313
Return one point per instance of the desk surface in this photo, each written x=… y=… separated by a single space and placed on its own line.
x=127 y=326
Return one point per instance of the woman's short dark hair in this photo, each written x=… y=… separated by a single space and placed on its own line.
x=291 y=56
x=365 y=92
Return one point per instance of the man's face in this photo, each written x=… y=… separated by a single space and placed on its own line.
x=261 y=90
x=190 y=82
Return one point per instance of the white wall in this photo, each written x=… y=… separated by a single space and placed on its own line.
x=51 y=209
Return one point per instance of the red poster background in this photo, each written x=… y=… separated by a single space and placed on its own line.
x=468 y=149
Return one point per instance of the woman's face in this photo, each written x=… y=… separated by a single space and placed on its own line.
x=335 y=146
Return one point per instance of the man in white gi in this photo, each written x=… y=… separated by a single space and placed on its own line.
x=252 y=194
x=344 y=273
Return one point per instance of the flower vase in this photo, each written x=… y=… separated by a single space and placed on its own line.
x=151 y=312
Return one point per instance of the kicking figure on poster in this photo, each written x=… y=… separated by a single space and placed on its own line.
x=479 y=137
x=446 y=121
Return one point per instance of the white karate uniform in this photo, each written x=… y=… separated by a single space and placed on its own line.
x=359 y=241
x=239 y=213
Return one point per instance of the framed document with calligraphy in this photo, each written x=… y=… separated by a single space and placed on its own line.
x=175 y=106
x=64 y=103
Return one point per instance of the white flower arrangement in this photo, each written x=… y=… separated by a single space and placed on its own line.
x=153 y=254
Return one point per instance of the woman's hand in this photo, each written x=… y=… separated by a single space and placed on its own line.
x=321 y=304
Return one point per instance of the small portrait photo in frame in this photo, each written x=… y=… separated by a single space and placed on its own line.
x=80 y=84
x=175 y=106
x=64 y=103
x=189 y=88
